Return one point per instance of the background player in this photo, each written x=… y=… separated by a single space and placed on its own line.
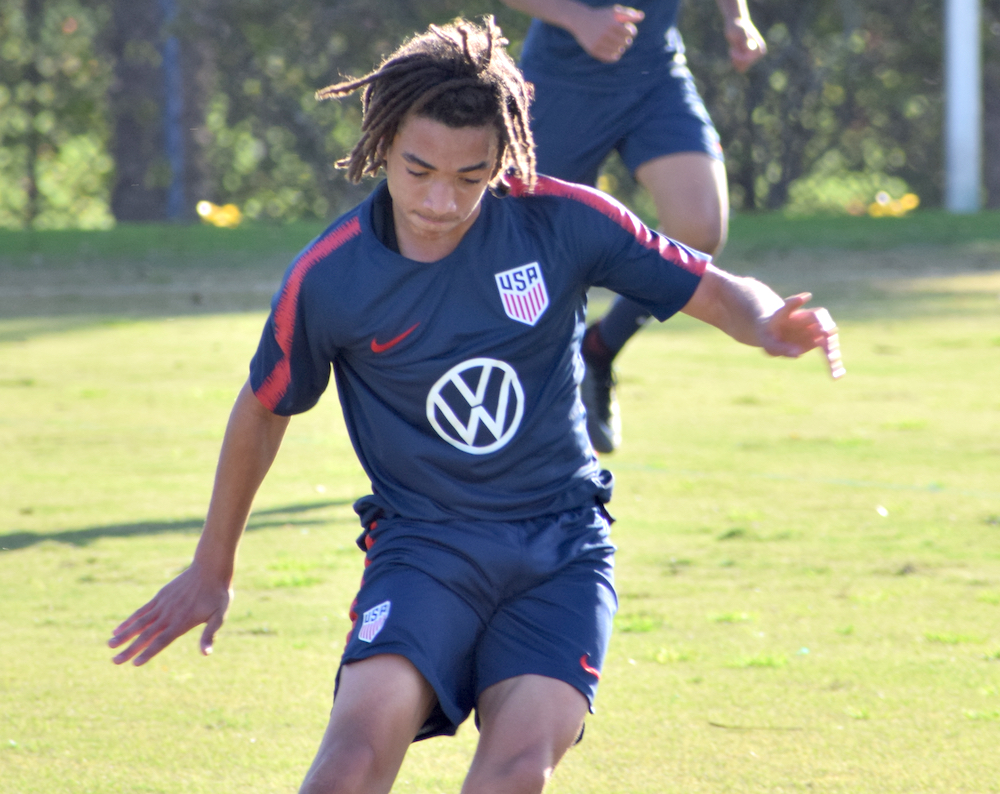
x=451 y=316
x=613 y=77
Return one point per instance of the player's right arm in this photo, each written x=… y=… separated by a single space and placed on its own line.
x=604 y=33
x=203 y=592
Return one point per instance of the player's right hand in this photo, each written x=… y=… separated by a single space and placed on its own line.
x=746 y=44
x=794 y=330
x=189 y=600
x=605 y=33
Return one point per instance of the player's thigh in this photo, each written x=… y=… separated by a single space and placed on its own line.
x=692 y=197
x=575 y=129
x=527 y=724
x=380 y=705
x=424 y=615
x=560 y=626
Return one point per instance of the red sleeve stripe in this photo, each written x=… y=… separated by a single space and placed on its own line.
x=275 y=386
x=607 y=206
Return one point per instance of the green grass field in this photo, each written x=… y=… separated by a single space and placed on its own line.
x=809 y=570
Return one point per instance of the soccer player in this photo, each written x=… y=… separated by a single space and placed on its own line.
x=450 y=306
x=614 y=77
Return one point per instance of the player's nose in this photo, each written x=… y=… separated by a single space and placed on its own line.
x=440 y=198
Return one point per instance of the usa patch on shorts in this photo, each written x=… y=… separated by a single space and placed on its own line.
x=373 y=620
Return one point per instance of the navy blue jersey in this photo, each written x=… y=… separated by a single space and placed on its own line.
x=458 y=378
x=550 y=51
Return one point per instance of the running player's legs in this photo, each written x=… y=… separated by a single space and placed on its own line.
x=674 y=152
x=381 y=703
x=692 y=205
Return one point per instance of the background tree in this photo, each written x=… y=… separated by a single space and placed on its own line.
x=138 y=108
x=848 y=87
x=164 y=77
x=847 y=103
x=54 y=161
x=272 y=145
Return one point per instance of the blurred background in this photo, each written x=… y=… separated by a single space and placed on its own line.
x=150 y=110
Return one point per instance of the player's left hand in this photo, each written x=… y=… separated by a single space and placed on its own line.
x=746 y=44
x=190 y=599
x=792 y=331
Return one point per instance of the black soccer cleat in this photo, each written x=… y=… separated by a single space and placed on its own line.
x=604 y=423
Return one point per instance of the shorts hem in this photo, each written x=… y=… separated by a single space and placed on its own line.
x=589 y=692
x=452 y=712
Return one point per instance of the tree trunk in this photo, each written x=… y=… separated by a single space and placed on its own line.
x=198 y=60
x=138 y=109
x=33 y=14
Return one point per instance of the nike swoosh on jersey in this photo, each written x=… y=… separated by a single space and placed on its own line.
x=382 y=347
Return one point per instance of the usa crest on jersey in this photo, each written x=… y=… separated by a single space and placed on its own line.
x=523 y=293
x=373 y=620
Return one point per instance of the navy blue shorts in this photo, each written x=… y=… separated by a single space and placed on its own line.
x=473 y=603
x=576 y=128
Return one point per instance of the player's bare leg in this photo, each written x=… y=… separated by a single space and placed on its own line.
x=527 y=724
x=691 y=196
x=380 y=705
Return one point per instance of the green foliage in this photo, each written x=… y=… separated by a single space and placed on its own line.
x=273 y=145
x=848 y=100
x=831 y=189
x=54 y=162
x=859 y=79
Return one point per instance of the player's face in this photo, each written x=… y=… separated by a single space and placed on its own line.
x=437 y=176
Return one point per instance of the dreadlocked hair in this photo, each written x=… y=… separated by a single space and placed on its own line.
x=459 y=75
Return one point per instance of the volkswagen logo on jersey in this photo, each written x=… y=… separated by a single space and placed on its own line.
x=476 y=406
x=523 y=293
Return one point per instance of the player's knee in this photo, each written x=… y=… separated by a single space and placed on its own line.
x=525 y=773
x=706 y=233
x=715 y=237
x=352 y=770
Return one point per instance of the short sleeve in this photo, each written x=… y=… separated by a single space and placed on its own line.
x=291 y=367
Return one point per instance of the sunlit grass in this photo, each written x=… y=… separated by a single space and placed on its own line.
x=777 y=629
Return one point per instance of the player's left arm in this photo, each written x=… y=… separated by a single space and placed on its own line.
x=746 y=44
x=753 y=313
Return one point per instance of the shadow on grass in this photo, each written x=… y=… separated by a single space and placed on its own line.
x=259 y=519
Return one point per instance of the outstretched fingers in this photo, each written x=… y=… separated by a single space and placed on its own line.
x=792 y=331
x=187 y=601
x=831 y=344
x=147 y=630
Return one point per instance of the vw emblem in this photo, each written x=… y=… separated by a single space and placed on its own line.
x=476 y=406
